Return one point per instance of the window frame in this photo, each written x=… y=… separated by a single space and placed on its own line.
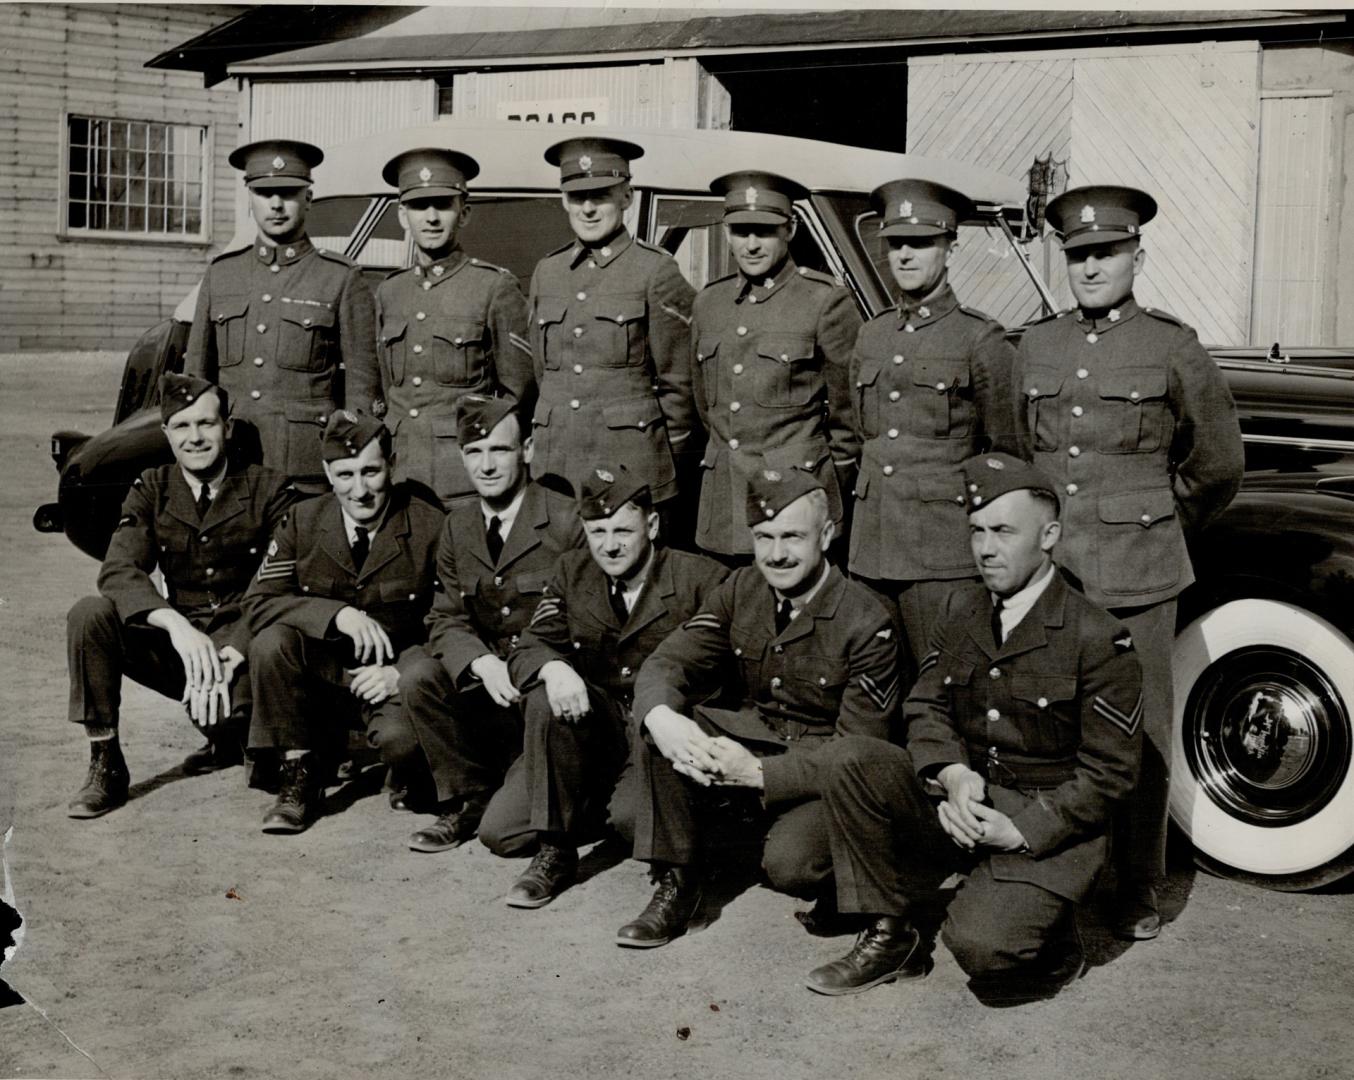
x=83 y=234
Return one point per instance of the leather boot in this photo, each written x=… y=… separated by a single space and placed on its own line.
x=298 y=798
x=550 y=873
x=1136 y=916
x=669 y=910
x=106 y=782
x=216 y=755
x=888 y=949
x=451 y=829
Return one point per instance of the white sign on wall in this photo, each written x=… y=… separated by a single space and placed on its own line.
x=555 y=111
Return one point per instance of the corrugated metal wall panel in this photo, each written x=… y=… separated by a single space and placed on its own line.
x=634 y=93
x=1293 y=223
x=328 y=113
x=1184 y=127
x=999 y=112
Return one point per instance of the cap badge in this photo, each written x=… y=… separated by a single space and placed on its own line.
x=585 y=162
x=1114 y=315
x=425 y=174
x=348 y=416
x=751 y=195
x=905 y=208
x=996 y=463
x=279 y=163
x=771 y=475
x=606 y=477
x=1088 y=214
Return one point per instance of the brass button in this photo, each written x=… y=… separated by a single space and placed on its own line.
x=413 y=412
x=1074 y=451
x=574 y=403
x=1072 y=489
x=775 y=682
x=1134 y=395
x=255 y=394
x=427 y=285
x=898 y=359
x=994 y=673
x=1077 y=410
x=421 y=315
x=909 y=328
x=458 y=341
x=262 y=328
x=418 y=348
x=733 y=444
x=582 y=296
x=940 y=386
x=738 y=369
x=888 y=470
x=1092 y=337
x=893 y=433
x=734 y=406
x=505 y=610
x=993 y=715
x=1042 y=703
x=1146 y=519
x=894 y=395
x=1082 y=373
x=417 y=380
x=258 y=361
x=578 y=369
x=741 y=331
x=578 y=331
x=498 y=581
x=267 y=297
x=625 y=673
x=305 y=322
x=274 y=268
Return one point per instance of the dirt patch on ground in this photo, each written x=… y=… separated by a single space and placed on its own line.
x=173 y=939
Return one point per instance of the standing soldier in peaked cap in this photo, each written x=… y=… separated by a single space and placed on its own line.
x=286 y=328
x=932 y=386
x=610 y=322
x=1128 y=413
x=449 y=325
x=773 y=347
x=204 y=521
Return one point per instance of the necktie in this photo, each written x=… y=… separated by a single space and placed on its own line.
x=997 y=636
x=618 y=602
x=361 y=545
x=783 y=611
x=204 y=502
x=493 y=539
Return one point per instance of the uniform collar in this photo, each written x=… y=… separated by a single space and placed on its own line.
x=603 y=254
x=213 y=485
x=268 y=253
x=937 y=305
x=1098 y=321
x=438 y=271
x=350 y=526
x=507 y=516
x=759 y=289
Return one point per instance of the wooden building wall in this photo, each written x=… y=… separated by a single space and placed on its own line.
x=55 y=292
x=1179 y=121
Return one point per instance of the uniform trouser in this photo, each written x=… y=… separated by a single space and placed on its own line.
x=562 y=779
x=890 y=854
x=671 y=813
x=468 y=739
x=915 y=607
x=304 y=701
x=1140 y=828
x=101 y=649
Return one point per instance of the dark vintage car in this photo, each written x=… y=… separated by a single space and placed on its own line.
x=1263 y=771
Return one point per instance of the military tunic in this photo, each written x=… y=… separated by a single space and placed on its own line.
x=299 y=660
x=290 y=333
x=772 y=384
x=932 y=388
x=1131 y=417
x=452 y=328
x=610 y=340
x=1052 y=718
x=484 y=607
x=565 y=768
x=831 y=672
x=207 y=564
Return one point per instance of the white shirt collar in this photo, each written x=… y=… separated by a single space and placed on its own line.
x=800 y=602
x=506 y=516
x=1017 y=606
x=350 y=526
x=213 y=485
x=631 y=589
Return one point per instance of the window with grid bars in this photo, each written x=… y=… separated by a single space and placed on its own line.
x=135 y=179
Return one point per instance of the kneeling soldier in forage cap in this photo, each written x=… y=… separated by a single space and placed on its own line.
x=337 y=613
x=932 y=387
x=1023 y=735
x=449 y=325
x=796 y=655
x=1131 y=417
x=605 y=610
x=496 y=553
x=610 y=320
x=204 y=521
x=773 y=346
x=288 y=329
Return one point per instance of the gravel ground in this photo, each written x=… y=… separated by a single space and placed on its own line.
x=343 y=954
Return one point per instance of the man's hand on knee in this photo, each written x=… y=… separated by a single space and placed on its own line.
x=374 y=683
x=566 y=691
x=680 y=739
x=493 y=673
